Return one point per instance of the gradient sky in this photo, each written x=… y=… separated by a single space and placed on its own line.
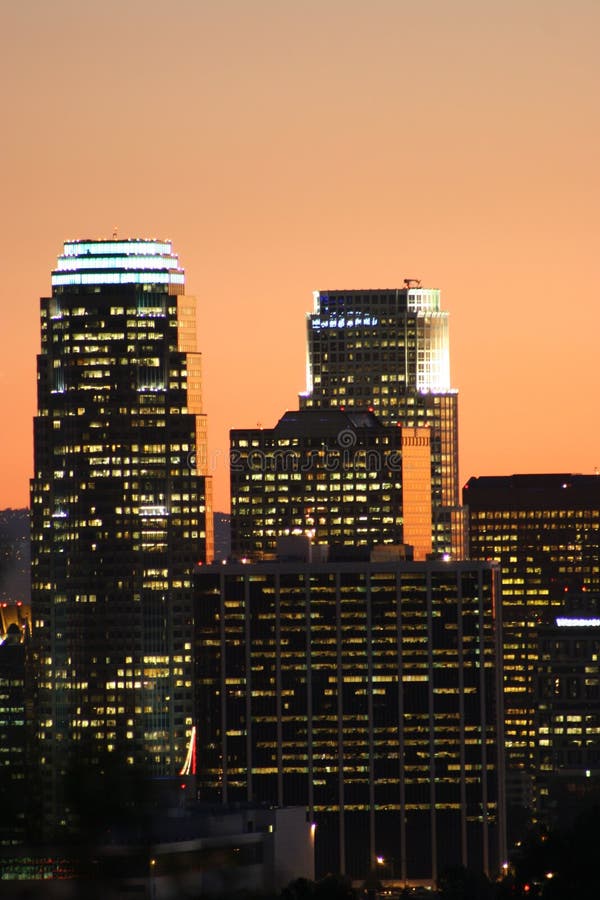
x=290 y=145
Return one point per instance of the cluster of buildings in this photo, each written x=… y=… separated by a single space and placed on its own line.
x=416 y=671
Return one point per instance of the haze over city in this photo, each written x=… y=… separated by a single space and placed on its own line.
x=289 y=147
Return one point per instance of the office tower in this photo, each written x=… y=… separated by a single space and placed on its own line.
x=544 y=530
x=567 y=717
x=368 y=692
x=388 y=350
x=342 y=478
x=121 y=510
x=222 y=536
x=13 y=767
x=15 y=563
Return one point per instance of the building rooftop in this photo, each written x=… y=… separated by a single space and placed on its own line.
x=117 y=261
x=322 y=422
x=544 y=491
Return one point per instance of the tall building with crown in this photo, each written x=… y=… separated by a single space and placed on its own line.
x=388 y=351
x=121 y=511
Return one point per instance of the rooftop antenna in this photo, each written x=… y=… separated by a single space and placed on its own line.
x=115 y=230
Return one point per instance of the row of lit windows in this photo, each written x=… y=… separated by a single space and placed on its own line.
x=531 y=514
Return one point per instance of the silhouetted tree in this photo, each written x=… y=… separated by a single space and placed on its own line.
x=299 y=889
x=561 y=864
x=460 y=883
x=103 y=791
x=334 y=887
x=372 y=884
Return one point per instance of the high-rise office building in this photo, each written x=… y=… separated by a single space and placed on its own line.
x=544 y=530
x=368 y=692
x=13 y=761
x=567 y=717
x=121 y=510
x=15 y=562
x=342 y=478
x=388 y=350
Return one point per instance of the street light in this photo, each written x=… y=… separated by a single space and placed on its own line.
x=152 y=883
x=389 y=864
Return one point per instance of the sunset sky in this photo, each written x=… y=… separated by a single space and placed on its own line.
x=292 y=145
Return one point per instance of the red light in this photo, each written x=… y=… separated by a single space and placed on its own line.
x=182 y=786
x=200 y=563
x=19 y=603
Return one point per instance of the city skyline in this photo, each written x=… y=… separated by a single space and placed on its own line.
x=325 y=146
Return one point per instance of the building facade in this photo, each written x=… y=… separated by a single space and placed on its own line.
x=567 y=718
x=341 y=478
x=121 y=511
x=388 y=351
x=15 y=562
x=370 y=694
x=544 y=530
x=13 y=744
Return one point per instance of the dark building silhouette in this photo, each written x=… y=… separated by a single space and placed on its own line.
x=121 y=511
x=388 y=350
x=13 y=744
x=544 y=530
x=222 y=532
x=368 y=692
x=342 y=478
x=15 y=559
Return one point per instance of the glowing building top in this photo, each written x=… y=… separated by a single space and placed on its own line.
x=388 y=350
x=131 y=261
x=378 y=341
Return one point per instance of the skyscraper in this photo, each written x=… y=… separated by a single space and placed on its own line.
x=369 y=692
x=544 y=530
x=13 y=769
x=388 y=350
x=342 y=478
x=567 y=717
x=121 y=509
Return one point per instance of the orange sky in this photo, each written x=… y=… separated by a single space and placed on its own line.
x=288 y=145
